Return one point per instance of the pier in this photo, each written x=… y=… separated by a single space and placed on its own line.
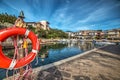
x=97 y=64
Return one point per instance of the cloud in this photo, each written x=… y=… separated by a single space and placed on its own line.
x=82 y=28
x=68 y=14
x=61 y=18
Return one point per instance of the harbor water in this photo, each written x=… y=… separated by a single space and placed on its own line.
x=53 y=52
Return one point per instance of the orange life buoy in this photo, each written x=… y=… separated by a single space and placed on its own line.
x=8 y=63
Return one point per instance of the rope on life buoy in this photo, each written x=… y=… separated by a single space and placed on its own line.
x=13 y=63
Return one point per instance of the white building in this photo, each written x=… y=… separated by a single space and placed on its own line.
x=45 y=25
x=39 y=25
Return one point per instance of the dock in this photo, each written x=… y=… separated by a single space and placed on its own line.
x=97 y=64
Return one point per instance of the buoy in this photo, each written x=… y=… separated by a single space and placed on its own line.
x=25 y=44
x=8 y=63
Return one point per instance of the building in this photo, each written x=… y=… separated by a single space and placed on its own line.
x=39 y=25
x=99 y=34
x=33 y=24
x=87 y=34
x=113 y=34
x=45 y=25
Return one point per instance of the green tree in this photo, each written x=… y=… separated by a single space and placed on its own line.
x=4 y=17
x=52 y=33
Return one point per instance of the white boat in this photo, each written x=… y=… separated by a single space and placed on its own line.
x=108 y=43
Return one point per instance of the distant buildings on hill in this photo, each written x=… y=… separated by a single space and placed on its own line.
x=113 y=34
x=96 y=34
x=39 y=25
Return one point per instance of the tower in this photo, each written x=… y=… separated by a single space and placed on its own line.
x=20 y=22
x=21 y=15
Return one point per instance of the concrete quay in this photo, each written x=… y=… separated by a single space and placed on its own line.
x=97 y=64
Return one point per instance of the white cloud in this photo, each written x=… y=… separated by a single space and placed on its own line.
x=61 y=16
x=82 y=28
x=99 y=14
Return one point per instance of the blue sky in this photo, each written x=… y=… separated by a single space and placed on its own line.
x=72 y=15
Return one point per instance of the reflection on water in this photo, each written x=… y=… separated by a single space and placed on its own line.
x=55 y=52
x=59 y=50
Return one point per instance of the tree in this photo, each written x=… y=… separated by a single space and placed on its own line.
x=52 y=33
x=4 y=17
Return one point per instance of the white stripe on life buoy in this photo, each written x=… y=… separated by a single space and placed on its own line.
x=0 y=42
x=34 y=51
x=27 y=32
x=12 y=64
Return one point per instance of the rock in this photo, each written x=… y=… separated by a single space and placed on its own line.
x=65 y=74
x=81 y=78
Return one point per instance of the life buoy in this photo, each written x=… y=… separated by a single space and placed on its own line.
x=8 y=63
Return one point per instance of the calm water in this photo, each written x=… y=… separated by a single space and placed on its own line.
x=55 y=52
